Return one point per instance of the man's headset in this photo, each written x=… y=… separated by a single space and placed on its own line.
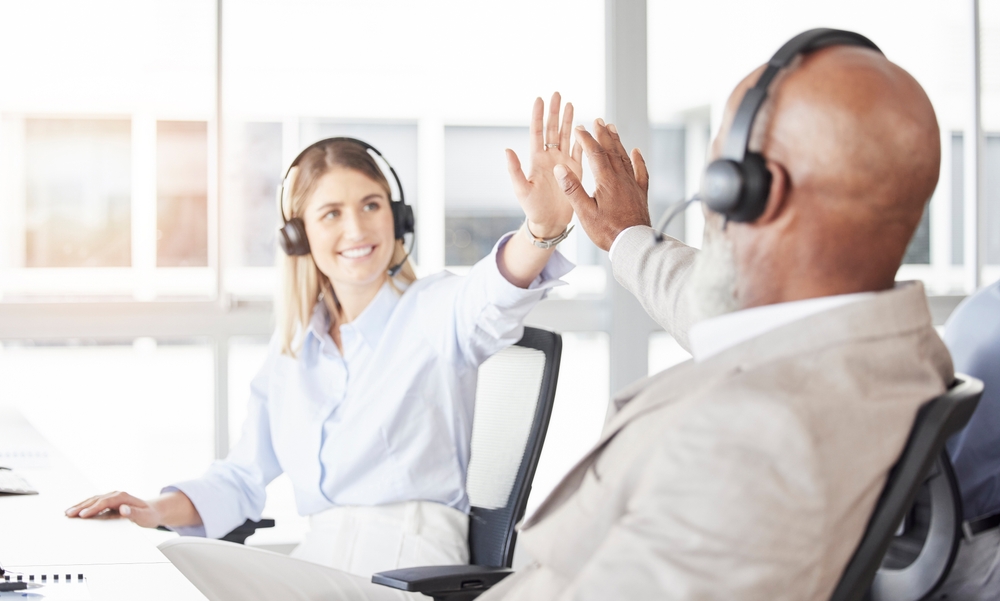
x=737 y=184
x=292 y=234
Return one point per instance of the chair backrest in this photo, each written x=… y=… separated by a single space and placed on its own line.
x=937 y=420
x=514 y=397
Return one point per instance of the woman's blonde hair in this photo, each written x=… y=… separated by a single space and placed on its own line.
x=304 y=283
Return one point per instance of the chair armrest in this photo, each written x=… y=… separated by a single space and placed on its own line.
x=443 y=582
x=246 y=529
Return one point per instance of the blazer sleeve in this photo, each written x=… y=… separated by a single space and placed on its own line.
x=233 y=489
x=657 y=274
x=736 y=514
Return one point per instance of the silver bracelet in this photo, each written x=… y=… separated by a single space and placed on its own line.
x=547 y=243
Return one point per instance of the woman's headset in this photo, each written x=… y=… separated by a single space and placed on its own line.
x=292 y=233
x=738 y=183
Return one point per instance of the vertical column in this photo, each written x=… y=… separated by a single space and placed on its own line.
x=215 y=255
x=220 y=353
x=430 y=187
x=216 y=258
x=626 y=105
x=143 y=206
x=973 y=162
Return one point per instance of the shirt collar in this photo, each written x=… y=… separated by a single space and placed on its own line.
x=712 y=336
x=369 y=325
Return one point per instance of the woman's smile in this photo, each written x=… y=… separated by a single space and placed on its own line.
x=358 y=252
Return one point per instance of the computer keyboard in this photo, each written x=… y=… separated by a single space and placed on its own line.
x=12 y=484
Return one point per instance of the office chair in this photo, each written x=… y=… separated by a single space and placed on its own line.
x=517 y=387
x=921 y=556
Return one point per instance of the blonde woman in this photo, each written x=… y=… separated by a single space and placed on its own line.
x=366 y=397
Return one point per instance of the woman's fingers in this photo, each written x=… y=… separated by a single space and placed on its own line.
x=552 y=125
x=577 y=153
x=106 y=502
x=75 y=510
x=535 y=136
x=639 y=169
x=521 y=186
x=567 y=127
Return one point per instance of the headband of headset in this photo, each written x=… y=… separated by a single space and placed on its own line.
x=292 y=234
x=737 y=184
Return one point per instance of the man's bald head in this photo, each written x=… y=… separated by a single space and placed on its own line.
x=854 y=147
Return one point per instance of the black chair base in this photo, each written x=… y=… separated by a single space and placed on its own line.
x=444 y=583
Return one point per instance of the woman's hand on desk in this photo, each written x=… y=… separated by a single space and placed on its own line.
x=170 y=509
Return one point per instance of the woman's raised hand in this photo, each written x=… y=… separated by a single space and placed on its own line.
x=541 y=196
x=119 y=503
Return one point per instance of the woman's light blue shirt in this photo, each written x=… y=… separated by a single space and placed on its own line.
x=387 y=421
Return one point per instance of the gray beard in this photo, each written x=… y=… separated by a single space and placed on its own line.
x=711 y=290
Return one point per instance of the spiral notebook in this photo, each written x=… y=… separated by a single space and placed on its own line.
x=53 y=587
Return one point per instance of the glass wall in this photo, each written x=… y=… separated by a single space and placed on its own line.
x=105 y=148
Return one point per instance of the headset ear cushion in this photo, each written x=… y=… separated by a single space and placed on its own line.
x=402 y=217
x=722 y=186
x=292 y=238
x=756 y=189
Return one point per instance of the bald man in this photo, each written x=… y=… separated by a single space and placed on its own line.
x=751 y=471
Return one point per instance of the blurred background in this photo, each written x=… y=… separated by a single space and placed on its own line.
x=141 y=143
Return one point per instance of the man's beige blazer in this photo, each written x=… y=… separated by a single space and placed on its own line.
x=750 y=475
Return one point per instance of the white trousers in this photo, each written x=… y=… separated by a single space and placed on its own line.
x=344 y=547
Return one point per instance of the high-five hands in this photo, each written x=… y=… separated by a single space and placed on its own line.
x=540 y=195
x=621 y=184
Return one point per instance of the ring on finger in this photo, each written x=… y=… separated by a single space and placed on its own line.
x=547 y=146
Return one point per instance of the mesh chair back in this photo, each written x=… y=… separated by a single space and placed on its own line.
x=514 y=397
x=935 y=422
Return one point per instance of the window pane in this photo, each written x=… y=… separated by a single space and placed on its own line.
x=919 y=250
x=78 y=192
x=666 y=163
x=479 y=201
x=991 y=190
x=255 y=171
x=181 y=193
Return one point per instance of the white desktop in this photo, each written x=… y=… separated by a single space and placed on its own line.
x=118 y=560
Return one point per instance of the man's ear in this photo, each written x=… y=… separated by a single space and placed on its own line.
x=777 y=199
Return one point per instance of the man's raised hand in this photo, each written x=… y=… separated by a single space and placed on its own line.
x=621 y=185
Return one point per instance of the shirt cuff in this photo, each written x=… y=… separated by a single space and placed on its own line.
x=200 y=495
x=611 y=251
x=556 y=267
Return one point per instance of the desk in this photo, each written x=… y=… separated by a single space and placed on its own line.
x=36 y=536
